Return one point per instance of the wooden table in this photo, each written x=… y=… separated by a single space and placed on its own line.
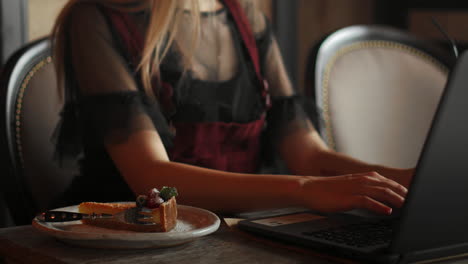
x=227 y=245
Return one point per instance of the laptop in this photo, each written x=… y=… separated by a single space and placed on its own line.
x=433 y=223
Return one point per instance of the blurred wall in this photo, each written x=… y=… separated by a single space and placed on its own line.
x=42 y=14
x=453 y=21
x=320 y=17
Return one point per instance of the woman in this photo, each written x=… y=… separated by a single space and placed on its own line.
x=169 y=93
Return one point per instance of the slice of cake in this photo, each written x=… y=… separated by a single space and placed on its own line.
x=160 y=205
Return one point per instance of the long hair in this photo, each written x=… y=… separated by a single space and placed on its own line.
x=162 y=28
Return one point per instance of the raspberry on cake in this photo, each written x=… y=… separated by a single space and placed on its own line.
x=160 y=205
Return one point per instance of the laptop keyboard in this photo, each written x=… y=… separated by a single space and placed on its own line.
x=357 y=235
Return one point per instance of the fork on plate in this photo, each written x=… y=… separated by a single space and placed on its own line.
x=133 y=215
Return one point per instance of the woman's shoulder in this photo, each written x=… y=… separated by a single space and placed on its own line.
x=256 y=17
x=85 y=10
x=87 y=17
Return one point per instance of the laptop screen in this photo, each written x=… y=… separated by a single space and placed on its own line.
x=436 y=209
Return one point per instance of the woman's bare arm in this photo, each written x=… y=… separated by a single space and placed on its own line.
x=307 y=154
x=143 y=162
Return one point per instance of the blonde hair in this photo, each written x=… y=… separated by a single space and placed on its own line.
x=164 y=20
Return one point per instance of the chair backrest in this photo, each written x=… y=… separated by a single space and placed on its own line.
x=30 y=111
x=376 y=90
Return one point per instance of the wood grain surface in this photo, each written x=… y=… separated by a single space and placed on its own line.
x=26 y=245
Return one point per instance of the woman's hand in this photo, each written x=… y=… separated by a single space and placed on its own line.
x=402 y=176
x=369 y=191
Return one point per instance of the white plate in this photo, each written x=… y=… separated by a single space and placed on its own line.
x=192 y=223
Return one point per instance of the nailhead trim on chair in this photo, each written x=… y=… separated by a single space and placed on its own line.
x=361 y=45
x=19 y=104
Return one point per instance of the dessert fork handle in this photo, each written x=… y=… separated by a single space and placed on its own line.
x=63 y=216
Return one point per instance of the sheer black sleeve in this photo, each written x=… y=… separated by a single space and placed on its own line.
x=287 y=113
x=107 y=102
